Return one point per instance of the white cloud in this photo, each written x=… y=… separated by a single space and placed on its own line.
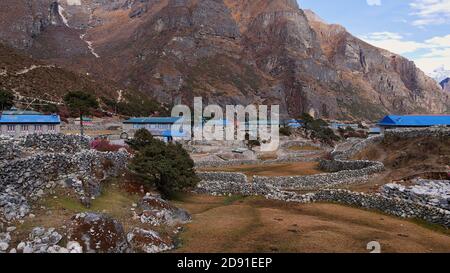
x=393 y=42
x=431 y=12
x=436 y=50
x=374 y=2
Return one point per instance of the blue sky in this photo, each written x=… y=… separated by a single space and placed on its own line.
x=417 y=29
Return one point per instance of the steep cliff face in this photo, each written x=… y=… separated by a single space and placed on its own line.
x=227 y=51
x=397 y=84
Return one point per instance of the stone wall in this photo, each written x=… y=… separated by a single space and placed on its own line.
x=9 y=150
x=393 y=135
x=393 y=206
x=223 y=176
x=343 y=165
x=55 y=142
x=28 y=175
x=320 y=181
x=358 y=147
x=230 y=163
x=343 y=172
x=435 y=132
x=43 y=160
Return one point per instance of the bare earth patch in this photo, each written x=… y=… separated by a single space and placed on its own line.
x=284 y=169
x=259 y=225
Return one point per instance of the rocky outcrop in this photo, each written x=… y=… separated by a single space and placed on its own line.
x=98 y=233
x=148 y=241
x=157 y=211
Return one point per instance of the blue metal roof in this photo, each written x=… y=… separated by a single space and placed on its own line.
x=19 y=119
x=152 y=120
x=415 y=121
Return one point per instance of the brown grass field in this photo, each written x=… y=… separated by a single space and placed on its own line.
x=233 y=224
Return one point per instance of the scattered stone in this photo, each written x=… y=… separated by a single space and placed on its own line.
x=10 y=229
x=41 y=240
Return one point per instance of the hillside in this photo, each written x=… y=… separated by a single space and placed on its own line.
x=33 y=81
x=425 y=157
x=227 y=51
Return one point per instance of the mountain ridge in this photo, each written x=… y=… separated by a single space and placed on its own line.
x=229 y=52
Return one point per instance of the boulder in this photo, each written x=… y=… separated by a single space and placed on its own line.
x=157 y=211
x=98 y=233
x=148 y=241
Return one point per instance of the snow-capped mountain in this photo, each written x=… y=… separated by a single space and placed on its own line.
x=440 y=74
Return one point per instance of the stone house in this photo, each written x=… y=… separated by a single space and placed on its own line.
x=159 y=127
x=16 y=123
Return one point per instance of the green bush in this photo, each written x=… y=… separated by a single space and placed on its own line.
x=319 y=129
x=285 y=131
x=168 y=167
x=6 y=99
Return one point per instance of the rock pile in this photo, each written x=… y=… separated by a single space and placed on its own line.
x=428 y=192
x=13 y=206
x=40 y=240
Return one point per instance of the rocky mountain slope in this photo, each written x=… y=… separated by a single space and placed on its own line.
x=38 y=84
x=227 y=51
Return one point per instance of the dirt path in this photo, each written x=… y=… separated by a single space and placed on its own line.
x=257 y=225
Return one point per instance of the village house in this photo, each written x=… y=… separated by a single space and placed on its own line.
x=414 y=121
x=159 y=127
x=86 y=121
x=16 y=123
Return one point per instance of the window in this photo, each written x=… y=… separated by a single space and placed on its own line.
x=38 y=128
x=24 y=128
x=11 y=128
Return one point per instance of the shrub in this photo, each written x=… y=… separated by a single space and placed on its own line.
x=285 y=131
x=103 y=145
x=168 y=167
x=6 y=99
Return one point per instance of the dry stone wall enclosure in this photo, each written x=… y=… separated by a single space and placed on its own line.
x=396 y=200
x=38 y=162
